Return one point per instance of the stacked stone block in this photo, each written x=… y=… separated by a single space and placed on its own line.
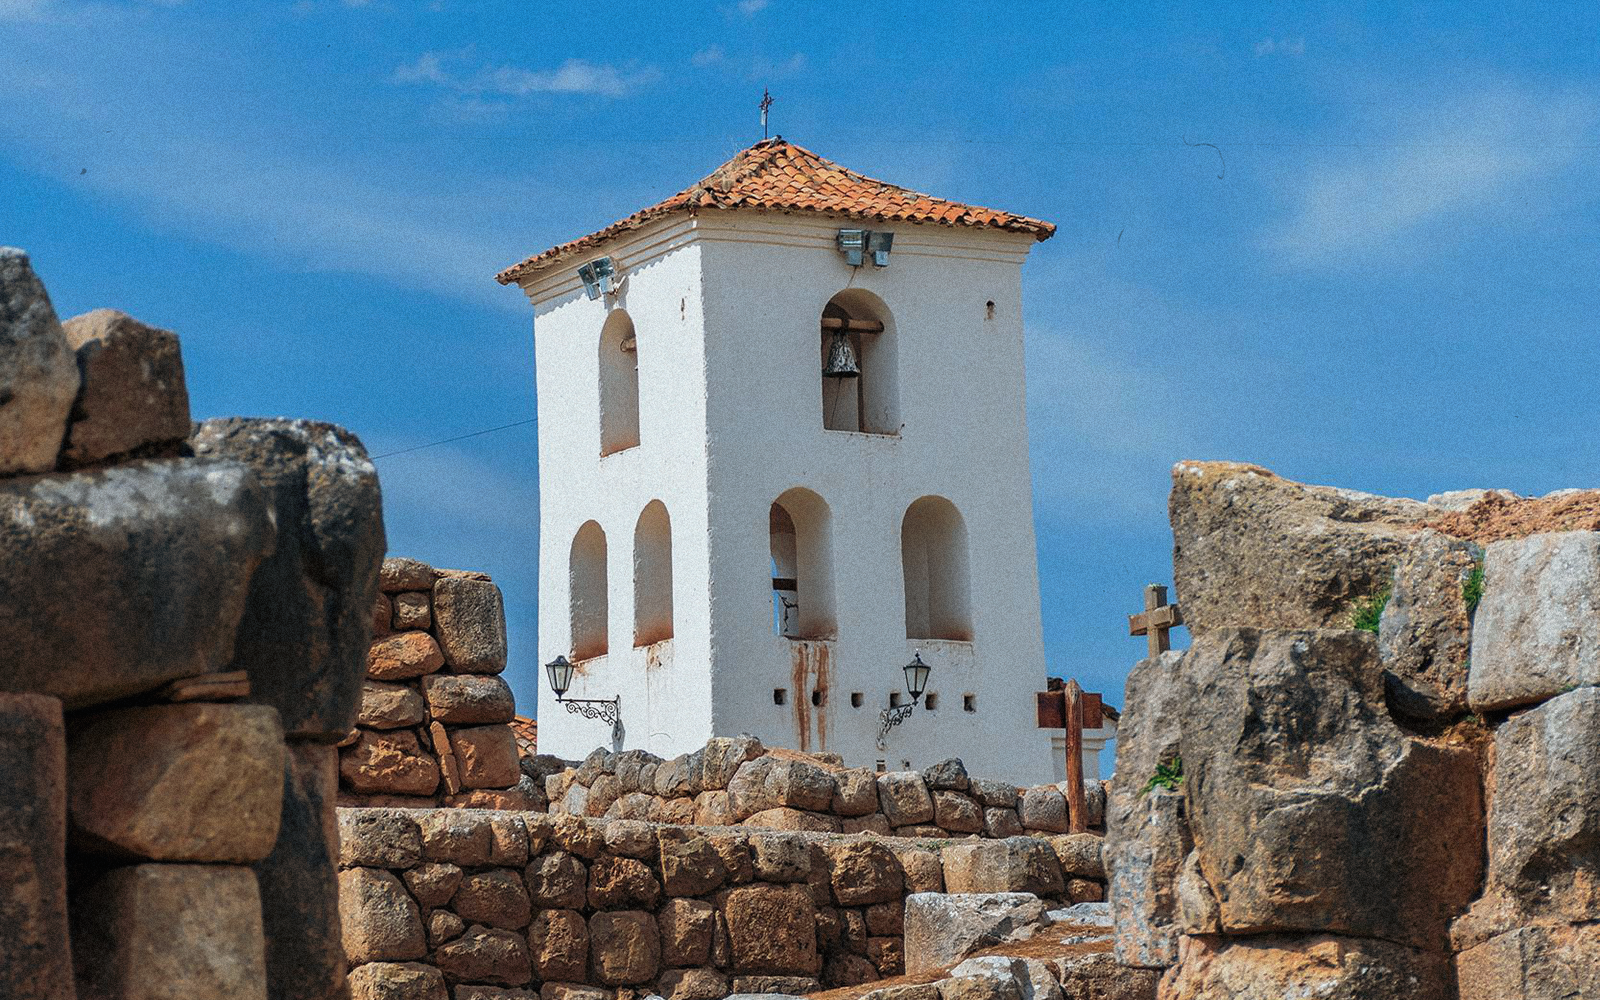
x=434 y=722
x=184 y=610
x=737 y=781
x=568 y=907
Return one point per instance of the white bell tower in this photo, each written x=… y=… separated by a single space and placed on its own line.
x=739 y=535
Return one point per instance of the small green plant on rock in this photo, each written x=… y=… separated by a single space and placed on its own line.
x=1472 y=589
x=1169 y=775
x=1367 y=612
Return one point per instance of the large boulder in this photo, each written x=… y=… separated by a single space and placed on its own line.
x=1322 y=966
x=470 y=619
x=1540 y=962
x=133 y=394
x=299 y=879
x=38 y=372
x=1016 y=864
x=308 y=621
x=1253 y=549
x=166 y=550
x=1537 y=631
x=1425 y=631
x=1303 y=794
x=942 y=929
x=35 y=959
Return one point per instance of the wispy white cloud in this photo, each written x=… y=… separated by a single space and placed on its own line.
x=575 y=76
x=1464 y=161
x=755 y=67
x=1281 y=47
x=711 y=55
x=750 y=8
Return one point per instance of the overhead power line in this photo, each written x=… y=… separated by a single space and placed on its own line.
x=458 y=437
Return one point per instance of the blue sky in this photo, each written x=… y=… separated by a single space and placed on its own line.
x=1354 y=243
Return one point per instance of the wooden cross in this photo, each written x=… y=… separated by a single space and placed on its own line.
x=1158 y=618
x=1072 y=709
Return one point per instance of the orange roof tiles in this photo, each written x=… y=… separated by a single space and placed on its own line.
x=527 y=733
x=778 y=176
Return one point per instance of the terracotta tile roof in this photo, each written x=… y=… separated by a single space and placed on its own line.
x=777 y=176
x=527 y=731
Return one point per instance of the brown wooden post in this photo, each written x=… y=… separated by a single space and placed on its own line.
x=1077 y=808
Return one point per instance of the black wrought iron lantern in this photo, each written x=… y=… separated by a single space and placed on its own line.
x=916 y=677
x=560 y=673
x=916 y=682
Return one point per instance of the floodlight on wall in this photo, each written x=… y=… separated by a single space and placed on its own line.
x=853 y=243
x=599 y=277
x=560 y=671
x=878 y=244
x=916 y=682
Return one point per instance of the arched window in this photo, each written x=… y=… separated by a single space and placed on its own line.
x=619 y=384
x=587 y=590
x=869 y=402
x=652 y=575
x=933 y=553
x=801 y=535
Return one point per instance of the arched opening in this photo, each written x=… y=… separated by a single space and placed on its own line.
x=652 y=575
x=868 y=403
x=587 y=591
x=933 y=553
x=619 y=384
x=800 y=530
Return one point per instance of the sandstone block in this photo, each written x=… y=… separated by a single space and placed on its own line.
x=397 y=981
x=464 y=699
x=391 y=762
x=1251 y=549
x=581 y=838
x=690 y=863
x=1097 y=976
x=137 y=933
x=382 y=615
x=298 y=881
x=845 y=969
x=132 y=391
x=1044 y=809
x=784 y=818
x=461 y=837
x=402 y=656
x=493 y=993
x=165 y=547
x=721 y=757
x=1019 y=864
x=769 y=782
x=193 y=782
x=559 y=940
x=432 y=883
x=855 y=792
x=948 y=775
x=470 y=618
x=919 y=991
x=679 y=812
x=886 y=919
x=508 y=840
x=693 y=984
x=557 y=880
x=38 y=372
x=957 y=813
x=389 y=706
x=750 y=987
x=575 y=991
x=904 y=797
x=488 y=756
x=1537 y=630
x=713 y=809
x=444 y=926
x=924 y=871
x=996 y=794
x=1001 y=823
x=308 y=621
x=888 y=954
x=1425 y=632
x=1079 y=854
x=35 y=960
x=398 y=573
x=874 y=823
x=1541 y=962
x=772 y=930
x=380 y=922
x=942 y=929
x=1143 y=856
x=686 y=929
x=631 y=838
x=986 y=987
x=629 y=768
x=624 y=947
x=781 y=859
x=622 y=884
x=1271 y=968
x=863 y=872
x=486 y=955
x=412 y=611
x=495 y=897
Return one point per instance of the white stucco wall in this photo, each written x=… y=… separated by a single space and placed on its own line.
x=726 y=310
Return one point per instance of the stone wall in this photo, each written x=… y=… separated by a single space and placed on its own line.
x=434 y=722
x=737 y=781
x=573 y=907
x=185 y=613
x=1402 y=810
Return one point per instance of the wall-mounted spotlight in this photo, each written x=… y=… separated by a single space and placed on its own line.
x=878 y=245
x=599 y=277
x=855 y=244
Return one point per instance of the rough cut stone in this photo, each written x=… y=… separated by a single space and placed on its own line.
x=411 y=610
x=308 y=621
x=622 y=884
x=1018 y=864
x=559 y=940
x=905 y=798
x=784 y=818
x=752 y=987
x=575 y=991
x=403 y=656
x=398 y=573
x=773 y=930
x=1044 y=808
x=1252 y=549
x=1303 y=792
x=1425 y=632
x=34 y=956
x=488 y=756
x=624 y=947
x=391 y=762
x=493 y=993
x=948 y=775
x=470 y=619
x=38 y=372
x=686 y=929
x=1080 y=855
x=994 y=794
x=397 y=981
x=781 y=859
x=380 y=922
x=137 y=933
x=721 y=758
x=382 y=615
x=1552 y=962
x=459 y=836
x=1322 y=966
x=955 y=812
x=465 y=699
x=557 y=880
x=581 y=838
x=924 y=872
x=863 y=872
x=508 y=840
x=193 y=782
x=845 y=969
x=298 y=881
x=166 y=550
x=693 y=984
x=486 y=955
x=432 y=883
x=495 y=897
x=875 y=823
x=855 y=792
x=132 y=391
x=1537 y=630
x=389 y=706
x=713 y=809
x=1001 y=823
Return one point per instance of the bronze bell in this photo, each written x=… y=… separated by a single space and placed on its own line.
x=841 y=359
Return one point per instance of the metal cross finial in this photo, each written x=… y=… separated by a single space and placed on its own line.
x=766 y=102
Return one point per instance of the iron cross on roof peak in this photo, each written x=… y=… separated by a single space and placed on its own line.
x=766 y=102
